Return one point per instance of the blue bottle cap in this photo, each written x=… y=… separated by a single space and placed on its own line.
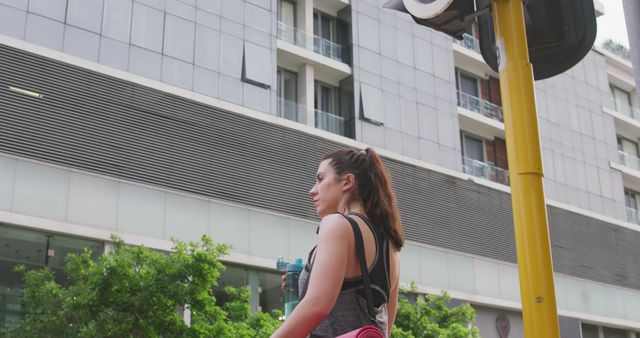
x=295 y=267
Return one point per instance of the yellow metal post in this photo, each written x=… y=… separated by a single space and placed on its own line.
x=525 y=166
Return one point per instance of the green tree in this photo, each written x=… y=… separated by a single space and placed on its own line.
x=431 y=317
x=138 y=292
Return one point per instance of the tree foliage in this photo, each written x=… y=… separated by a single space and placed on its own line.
x=138 y=292
x=429 y=316
x=617 y=48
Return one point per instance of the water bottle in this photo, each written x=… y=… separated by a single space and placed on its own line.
x=291 y=296
x=281 y=265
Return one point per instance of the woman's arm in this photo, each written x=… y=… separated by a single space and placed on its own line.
x=329 y=269
x=392 y=307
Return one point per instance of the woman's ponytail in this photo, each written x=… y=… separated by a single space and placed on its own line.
x=374 y=189
x=381 y=205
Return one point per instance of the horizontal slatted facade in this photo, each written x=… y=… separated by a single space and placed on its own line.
x=105 y=125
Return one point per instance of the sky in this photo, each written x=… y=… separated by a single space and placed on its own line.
x=611 y=24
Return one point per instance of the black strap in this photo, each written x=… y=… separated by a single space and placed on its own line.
x=363 y=268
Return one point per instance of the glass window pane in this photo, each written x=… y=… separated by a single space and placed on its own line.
x=621 y=100
x=469 y=85
x=474 y=148
x=614 y=333
x=271 y=297
x=288 y=13
x=630 y=147
x=326 y=27
x=290 y=86
x=589 y=331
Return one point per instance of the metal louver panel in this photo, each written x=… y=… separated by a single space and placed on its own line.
x=101 y=124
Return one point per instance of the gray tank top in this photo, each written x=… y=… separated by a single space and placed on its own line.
x=350 y=310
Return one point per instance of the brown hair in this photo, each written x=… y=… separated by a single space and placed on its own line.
x=373 y=188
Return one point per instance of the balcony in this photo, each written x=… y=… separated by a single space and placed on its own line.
x=627 y=110
x=291 y=110
x=629 y=160
x=469 y=42
x=302 y=39
x=480 y=106
x=485 y=170
x=329 y=122
x=633 y=216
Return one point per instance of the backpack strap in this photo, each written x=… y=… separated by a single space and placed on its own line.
x=363 y=268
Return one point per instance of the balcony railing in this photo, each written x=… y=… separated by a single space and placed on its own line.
x=632 y=215
x=629 y=160
x=329 y=122
x=627 y=110
x=485 y=170
x=481 y=106
x=291 y=110
x=303 y=39
x=469 y=42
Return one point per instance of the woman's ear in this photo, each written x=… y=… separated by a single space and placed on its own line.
x=349 y=182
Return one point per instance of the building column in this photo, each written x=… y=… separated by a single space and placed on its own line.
x=306 y=88
x=631 y=14
x=304 y=15
x=253 y=283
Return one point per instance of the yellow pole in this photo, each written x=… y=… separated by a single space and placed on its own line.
x=525 y=166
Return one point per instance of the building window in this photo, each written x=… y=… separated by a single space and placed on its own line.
x=287 y=12
x=324 y=26
x=326 y=98
x=621 y=100
x=628 y=152
x=327 y=115
x=327 y=31
x=631 y=200
x=473 y=147
x=287 y=95
x=265 y=287
x=468 y=84
x=33 y=249
x=589 y=331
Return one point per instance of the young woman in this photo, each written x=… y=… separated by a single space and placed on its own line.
x=352 y=184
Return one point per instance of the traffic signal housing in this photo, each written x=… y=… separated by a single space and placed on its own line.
x=559 y=32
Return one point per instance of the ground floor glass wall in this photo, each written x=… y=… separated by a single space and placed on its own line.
x=34 y=249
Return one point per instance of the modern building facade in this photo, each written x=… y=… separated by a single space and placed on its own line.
x=153 y=119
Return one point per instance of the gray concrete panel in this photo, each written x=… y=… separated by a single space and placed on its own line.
x=145 y=63
x=116 y=20
x=368 y=36
x=231 y=50
x=114 y=53
x=7 y=182
x=207 y=19
x=206 y=81
x=212 y=6
x=85 y=14
x=232 y=10
x=177 y=73
x=157 y=4
x=179 y=38
x=81 y=43
x=12 y=22
x=181 y=9
x=52 y=9
x=257 y=18
x=17 y=4
x=44 y=32
x=207 y=48
x=147 y=27
x=231 y=89
x=256 y=98
x=93 y=201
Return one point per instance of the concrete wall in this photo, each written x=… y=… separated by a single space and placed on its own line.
x=197 y=45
